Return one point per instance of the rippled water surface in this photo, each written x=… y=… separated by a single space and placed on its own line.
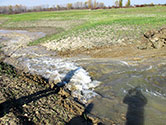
x=129 y=90
x=132 y=92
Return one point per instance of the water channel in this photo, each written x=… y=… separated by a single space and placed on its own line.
x=130 y=91
x=120 y=90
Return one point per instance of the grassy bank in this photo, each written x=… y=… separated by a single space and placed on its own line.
x=114 y=23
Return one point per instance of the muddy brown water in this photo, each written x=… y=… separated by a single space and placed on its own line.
x=130 y=92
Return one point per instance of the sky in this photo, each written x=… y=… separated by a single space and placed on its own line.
x=63 y=2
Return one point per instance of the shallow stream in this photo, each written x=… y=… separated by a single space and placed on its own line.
x=132 y=92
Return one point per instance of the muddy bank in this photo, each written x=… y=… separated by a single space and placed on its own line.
x=150 y=44
x=65 y=78
x=42 y=78
x=36 y=60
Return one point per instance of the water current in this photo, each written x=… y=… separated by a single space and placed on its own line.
x=123 y=91
x=131 y=92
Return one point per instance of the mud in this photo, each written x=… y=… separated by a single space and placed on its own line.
x=32 y=96
x=151 y=44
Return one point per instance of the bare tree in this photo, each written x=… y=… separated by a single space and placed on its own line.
x=116 y=3
x=120 y=3
x=78 y=5
x=101 y=5
x=86 y=4
x=58 y=7
x=128 y=3
x=69 y=6
x=90 y=4
x=81 y=4
x=10 y=9
x=95 y=4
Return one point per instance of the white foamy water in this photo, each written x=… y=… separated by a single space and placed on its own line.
x=124 y=62
x=155 y=93
x=38 y=61
x=66 y=72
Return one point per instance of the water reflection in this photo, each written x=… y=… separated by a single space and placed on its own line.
x=136 y=102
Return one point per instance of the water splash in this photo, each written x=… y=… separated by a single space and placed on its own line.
x=75 y=78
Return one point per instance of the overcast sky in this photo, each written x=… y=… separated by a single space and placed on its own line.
x=63 y=2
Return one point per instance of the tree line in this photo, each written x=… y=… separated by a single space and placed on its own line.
x=78 y=5
x=119 y=3
x=90 y=4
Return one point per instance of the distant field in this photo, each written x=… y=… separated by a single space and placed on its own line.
x=95 y=26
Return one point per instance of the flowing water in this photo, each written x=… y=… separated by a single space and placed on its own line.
x=126 y=91
x=129 y=90
x=39 y=61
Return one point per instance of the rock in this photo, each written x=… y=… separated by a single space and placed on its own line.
x=149 y=34
x=62 y=92
x=163 y=30
x=94 y=119
x=154 y=39
x=142 y=47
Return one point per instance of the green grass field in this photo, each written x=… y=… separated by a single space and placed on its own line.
x=113 y=23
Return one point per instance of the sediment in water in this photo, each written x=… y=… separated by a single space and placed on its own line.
x=40 y=66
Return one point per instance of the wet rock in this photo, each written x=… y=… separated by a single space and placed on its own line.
x=94 y=119
x=38 y=104
x=38 y=65
x=63 y=93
